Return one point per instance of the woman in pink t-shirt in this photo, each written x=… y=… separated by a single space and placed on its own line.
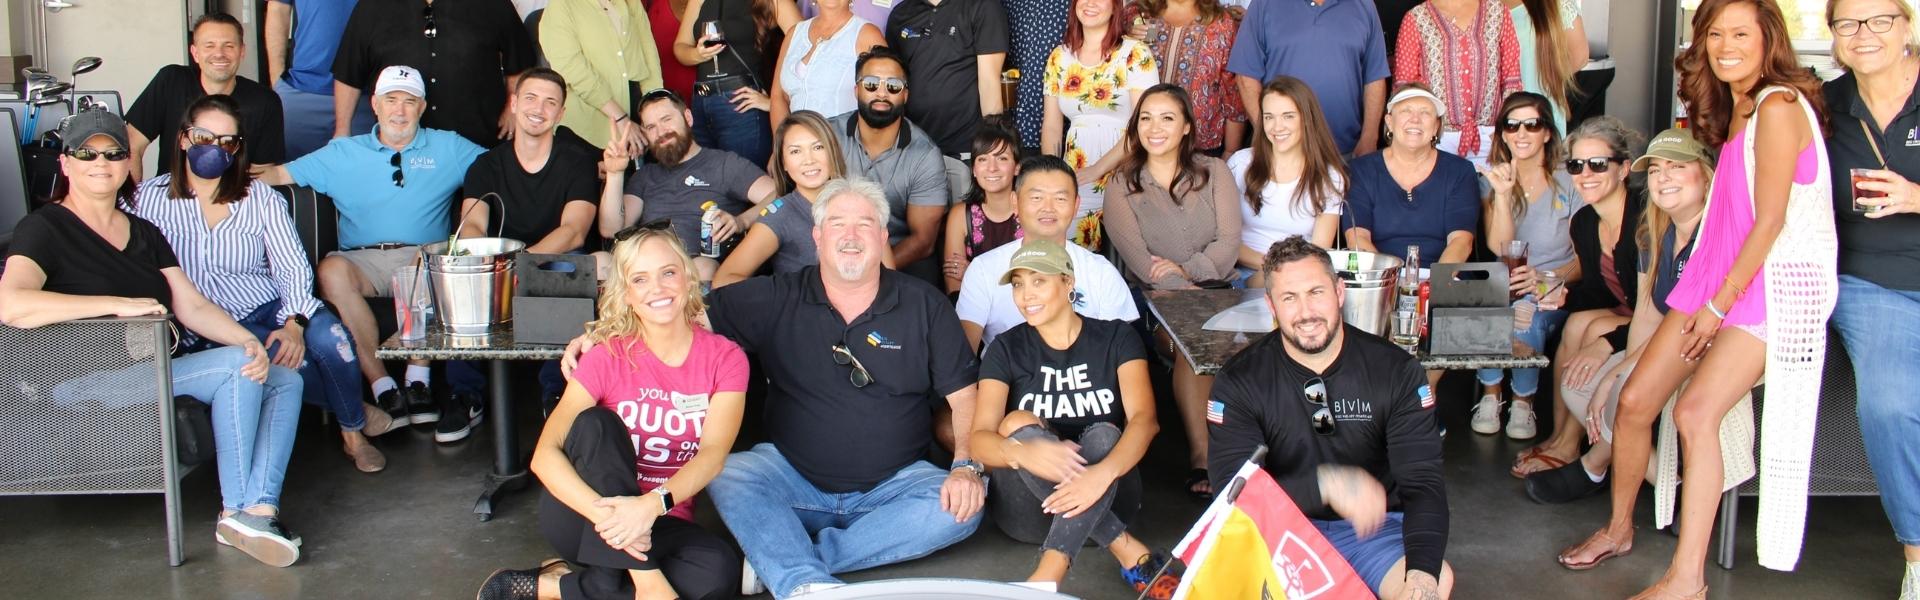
x=621 y=457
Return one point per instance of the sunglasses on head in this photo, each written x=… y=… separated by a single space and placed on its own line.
x=431 y=30
x=1322 y=416
x=872 y=83
x=657 y=94
x=844 y=357
x=1599 y=164
x=200 y=136
x=1533 y=125
x=89 y=155
x=399 y=177
x=637 y=228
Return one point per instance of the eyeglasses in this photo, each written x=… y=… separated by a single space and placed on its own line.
x=859 y=377
x=199 y=136
x=89 y=154
x=1599 y=164
x=637 y=228
x=1316 y=392
x=432 y=31
x=1533 y=125
x=399 y=178
x=1850 y=27
x=871 y=84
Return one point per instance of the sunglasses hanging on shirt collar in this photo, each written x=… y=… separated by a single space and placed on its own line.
x=399 y=177
x=1316 y=392
x=432 y=30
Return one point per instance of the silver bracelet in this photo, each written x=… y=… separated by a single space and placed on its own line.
x=1715 y=310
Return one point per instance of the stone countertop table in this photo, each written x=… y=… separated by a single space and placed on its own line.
x=1184 y=312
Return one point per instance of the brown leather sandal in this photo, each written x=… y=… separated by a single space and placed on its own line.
x=1615 y=550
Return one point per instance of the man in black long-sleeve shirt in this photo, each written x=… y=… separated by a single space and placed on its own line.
x=1348 y=422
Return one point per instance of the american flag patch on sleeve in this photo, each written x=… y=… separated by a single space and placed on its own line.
x=1426 y=396
x=1216 y=412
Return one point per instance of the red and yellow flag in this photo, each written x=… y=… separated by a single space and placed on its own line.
x=1258 y=545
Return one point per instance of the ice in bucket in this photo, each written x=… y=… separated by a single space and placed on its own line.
x=411 y=303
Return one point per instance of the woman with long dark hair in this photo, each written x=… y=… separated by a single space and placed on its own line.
x=1094 y=79
x=235 y=240
x=1293 y=177
x=807 y=158
x=984 y=219
x=1552 y=40
x=1754 y=299
x=734 y=70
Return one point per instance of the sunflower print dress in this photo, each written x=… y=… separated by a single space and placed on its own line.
x=1096 y=100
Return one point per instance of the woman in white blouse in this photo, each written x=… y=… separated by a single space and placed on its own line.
x=1293 y=178
x=816 y=64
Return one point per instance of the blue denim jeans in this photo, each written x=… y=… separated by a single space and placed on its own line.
x=1526 y=382
x=1881 y=329
x=308 y=119
x=794 y=534
x=331 y=370
x=716 y=125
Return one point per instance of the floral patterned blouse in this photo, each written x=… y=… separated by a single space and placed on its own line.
x=1195 y=58
x=1472 y=67
x=1096 y=102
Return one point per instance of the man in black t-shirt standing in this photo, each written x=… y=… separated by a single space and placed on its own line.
x=217 y=46
x=467 y=50
x=955 y=49
x=1348 y=422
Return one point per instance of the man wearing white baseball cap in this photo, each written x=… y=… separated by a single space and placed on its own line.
x=393 y=188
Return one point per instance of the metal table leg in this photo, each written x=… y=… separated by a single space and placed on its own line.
x=1729 y=524
x=508 y=473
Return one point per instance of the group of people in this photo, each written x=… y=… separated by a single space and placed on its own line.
x=957 y=270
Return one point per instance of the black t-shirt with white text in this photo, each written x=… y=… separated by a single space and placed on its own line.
x=534 y=200
x=1070 y=389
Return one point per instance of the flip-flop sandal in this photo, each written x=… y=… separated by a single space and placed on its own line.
x=1196 y=477
x=1549 y=460
x=1611 y=553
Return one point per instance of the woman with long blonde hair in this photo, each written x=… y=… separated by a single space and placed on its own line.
x=644 y=426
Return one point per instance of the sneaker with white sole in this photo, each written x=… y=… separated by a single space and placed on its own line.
x=1486 y=415
x=1910 y=587
x=1521 y=423
x=821 y=586
x=750 y=581
x=261 y=537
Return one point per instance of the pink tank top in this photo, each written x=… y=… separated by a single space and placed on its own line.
x=1729 y=219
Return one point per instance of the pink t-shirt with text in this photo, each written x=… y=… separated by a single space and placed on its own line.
x=665 y=408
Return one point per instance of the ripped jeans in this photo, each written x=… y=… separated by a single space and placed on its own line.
x=330 y=369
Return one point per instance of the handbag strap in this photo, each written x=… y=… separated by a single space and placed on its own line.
x=1871 y=141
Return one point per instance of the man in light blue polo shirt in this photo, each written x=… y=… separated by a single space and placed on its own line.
x=394 y=191
x=1335 y=46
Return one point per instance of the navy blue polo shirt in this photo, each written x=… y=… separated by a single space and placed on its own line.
x=1447 y=201
x=840 y=437
x=1336 y=47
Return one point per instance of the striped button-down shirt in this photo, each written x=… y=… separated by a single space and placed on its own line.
x=246 y=260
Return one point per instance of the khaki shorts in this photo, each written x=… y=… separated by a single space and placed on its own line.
x=1607 y=389
x=378 y=265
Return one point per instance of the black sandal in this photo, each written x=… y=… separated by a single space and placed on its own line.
x=1199 y=477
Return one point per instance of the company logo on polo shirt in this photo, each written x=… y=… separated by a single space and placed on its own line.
x=1351 y=410
x=1913 y=137
x=773 y=207
x=692 y=181
x=420 y=163
x=877 y=340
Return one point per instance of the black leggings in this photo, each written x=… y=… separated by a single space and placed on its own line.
x=699 y=564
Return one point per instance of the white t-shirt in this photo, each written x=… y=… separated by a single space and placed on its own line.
x=1099 y=291
x=1278 y=219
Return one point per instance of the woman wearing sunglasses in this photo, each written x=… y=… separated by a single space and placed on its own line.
x=1753 y=301
x=82 y=256
x=645 y=424
x=1532 y=203
x=1065 y=405
x=235 y=240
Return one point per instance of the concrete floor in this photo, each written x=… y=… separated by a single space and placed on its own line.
x=409 y=533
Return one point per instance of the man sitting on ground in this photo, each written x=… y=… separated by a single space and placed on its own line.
x=1348 y=422
x=393 y=188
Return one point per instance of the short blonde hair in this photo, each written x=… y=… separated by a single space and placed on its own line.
x=616 y=318
x=1901 y=6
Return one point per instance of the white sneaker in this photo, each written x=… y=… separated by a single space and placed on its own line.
x=1521 y=424
x=1910 y=588
x=810 y=588
x=750 y=581
x=1486 y=415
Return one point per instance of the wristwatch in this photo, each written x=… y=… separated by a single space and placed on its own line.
x=298 y=318
x=970 y=465
x=666 y=498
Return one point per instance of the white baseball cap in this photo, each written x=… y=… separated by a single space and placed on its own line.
x=1439 y=108
x=400 y=78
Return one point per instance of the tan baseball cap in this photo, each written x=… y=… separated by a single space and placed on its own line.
x=1675 y=144
x=1039 y=256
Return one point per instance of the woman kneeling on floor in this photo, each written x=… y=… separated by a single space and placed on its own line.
x=1066 y=409
x=622 y=456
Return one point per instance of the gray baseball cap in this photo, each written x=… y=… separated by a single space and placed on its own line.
x=75 y=130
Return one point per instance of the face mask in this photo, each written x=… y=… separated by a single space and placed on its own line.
x=208 y=161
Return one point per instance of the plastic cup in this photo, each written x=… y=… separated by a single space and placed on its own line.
x=410 y=302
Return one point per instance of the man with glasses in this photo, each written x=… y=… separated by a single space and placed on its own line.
x=468 y=50
x=1348 y=422
x=681 y=180
x=880 y=144
x=217 y=46
x=856 y=356
x=393 y=188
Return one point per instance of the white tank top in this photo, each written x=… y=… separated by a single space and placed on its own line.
x=824 y=84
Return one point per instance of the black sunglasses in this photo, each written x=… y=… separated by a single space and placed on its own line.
x=1599 y=164
x=871 y=84
x=89 y=154
x=636 y=228
x=659 y=94
x=399 y=178
x=432 y=31
x=844 y=357
x=199 y=136
x=1533 y=125
x=1316 y=392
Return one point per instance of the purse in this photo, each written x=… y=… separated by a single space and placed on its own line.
x=192 y=431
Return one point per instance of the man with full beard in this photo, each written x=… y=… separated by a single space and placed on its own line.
x=879 y=144
x=681 y=178
x=1348 y=423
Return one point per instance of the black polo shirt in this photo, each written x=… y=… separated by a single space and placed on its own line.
x=1885 y=251
x=942 y=44
x=157 y=112
x=843 y=438
x=476 y=44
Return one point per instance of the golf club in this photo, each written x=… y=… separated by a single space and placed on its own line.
x=86 y=64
